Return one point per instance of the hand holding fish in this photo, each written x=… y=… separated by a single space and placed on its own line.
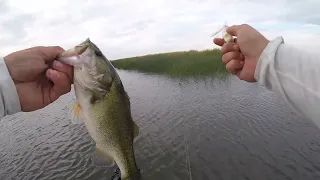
x=39 y=79
x=241 y=55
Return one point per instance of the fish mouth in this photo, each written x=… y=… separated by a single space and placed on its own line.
x=77 y=50
x=83 y=46
x=72 y=56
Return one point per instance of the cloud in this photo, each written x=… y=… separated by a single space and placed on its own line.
x=126 y=28
x=12 y=25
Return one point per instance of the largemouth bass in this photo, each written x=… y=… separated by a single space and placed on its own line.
x=104 y=106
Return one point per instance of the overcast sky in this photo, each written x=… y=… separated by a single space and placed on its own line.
x=125 y=28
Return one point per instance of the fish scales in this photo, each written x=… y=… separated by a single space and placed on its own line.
x=104 y=106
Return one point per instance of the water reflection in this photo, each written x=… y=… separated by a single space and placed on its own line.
x=204 y=128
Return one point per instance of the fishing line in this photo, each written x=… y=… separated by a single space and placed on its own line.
x=188 y=166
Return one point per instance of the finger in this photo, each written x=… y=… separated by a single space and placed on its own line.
x=232 y=55
x=61 y=84
x=231 y=46
x=235 y=71
x=49 y=53
x=64 y=68
x=218 y=41
x=234 y=65
x=232 y=30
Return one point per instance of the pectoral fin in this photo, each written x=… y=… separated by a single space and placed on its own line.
x=76 y=114
x=101 y=158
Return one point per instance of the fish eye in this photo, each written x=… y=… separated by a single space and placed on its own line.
x=98 y=53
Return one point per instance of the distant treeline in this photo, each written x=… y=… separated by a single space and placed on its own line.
x=184 y=63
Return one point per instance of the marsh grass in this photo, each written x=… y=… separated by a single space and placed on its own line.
x=179 y=64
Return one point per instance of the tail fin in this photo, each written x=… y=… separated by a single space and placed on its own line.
x=117 y=175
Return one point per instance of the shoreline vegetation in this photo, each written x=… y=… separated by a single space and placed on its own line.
x=190 y=63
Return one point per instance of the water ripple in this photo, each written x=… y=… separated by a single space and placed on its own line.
x=190 y=129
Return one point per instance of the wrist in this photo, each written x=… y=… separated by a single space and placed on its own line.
x=6 y=60
x=10 y=102
x=265 y=61
x=262 y=52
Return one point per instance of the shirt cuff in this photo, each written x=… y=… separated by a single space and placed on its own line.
x=265 y=64
x=9 y=99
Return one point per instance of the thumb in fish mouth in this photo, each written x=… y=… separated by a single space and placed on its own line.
x=72 y=61
x=72 y=56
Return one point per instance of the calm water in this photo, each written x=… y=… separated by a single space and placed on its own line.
x=194 y=129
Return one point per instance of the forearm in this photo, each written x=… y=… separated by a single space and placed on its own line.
x=9 y=99
x=292 y=73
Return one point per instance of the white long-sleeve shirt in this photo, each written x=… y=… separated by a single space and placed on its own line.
x=294 y=74
x=9 y=99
